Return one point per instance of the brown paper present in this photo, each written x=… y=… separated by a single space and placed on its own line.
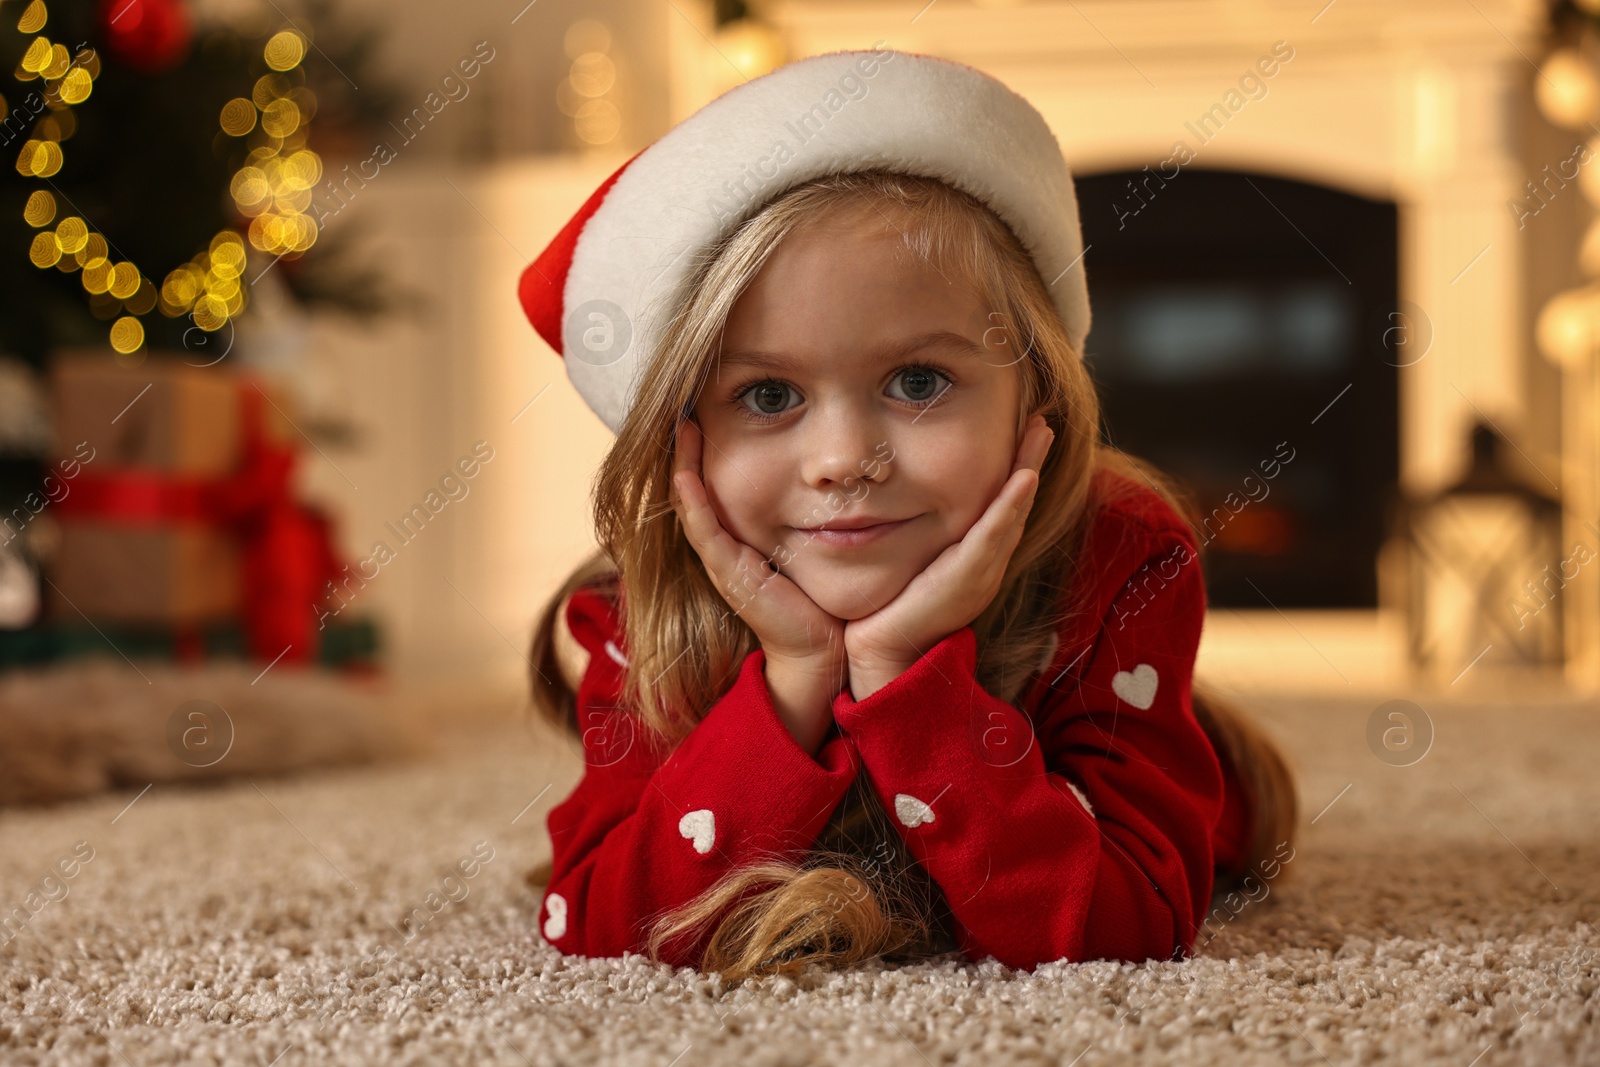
x=163 y=413
x=143 y=575
x=162 y=425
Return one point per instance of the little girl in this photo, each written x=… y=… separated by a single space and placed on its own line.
x=889 y=655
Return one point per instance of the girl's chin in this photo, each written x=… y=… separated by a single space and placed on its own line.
x=848 y=597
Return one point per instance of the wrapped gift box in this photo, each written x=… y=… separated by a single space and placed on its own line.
x=141 y=550
x=179 y=508
x=153 y=575
x=166 y=413
x=163 y=414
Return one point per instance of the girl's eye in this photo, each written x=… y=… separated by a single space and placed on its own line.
x=768 y=397
x=921 y=383
x=765 y=400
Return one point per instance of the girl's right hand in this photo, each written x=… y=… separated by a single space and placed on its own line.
x=792 y=629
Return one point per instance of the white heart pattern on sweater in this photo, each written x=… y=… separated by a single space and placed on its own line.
x=1081 y=798
x=556 y=924
x=1137 y=687
x=911 y=811
x=701 y=828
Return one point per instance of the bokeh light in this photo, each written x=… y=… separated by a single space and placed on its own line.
x=40 y=209
x=285 y=50
x=127 y=334
x=272 y=188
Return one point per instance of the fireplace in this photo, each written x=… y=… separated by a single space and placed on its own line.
x=1245 y=339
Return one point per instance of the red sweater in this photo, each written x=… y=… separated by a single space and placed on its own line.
x=1083 y=823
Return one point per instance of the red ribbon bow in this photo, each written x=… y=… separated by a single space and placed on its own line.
x=286 y=548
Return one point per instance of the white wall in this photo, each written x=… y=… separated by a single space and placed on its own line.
x=422 y=387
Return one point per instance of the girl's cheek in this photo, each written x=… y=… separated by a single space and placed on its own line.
x=963 y=472
x=737 y=510
x=714 y=495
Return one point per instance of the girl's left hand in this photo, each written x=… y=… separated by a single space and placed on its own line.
x=955 y=587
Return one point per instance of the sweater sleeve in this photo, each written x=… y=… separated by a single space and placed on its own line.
x=647 y=829
x=1087 y=837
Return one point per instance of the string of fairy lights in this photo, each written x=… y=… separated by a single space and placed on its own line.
x=272 y=188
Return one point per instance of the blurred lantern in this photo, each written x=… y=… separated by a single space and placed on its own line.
x=1484 y=568
x=588 y=95
x=1567 y=89
x=1568 y=329
x=746 y=47
x=151 y=36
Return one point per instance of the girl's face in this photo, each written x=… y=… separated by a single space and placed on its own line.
x=857 y=384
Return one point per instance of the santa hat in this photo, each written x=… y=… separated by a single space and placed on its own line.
x=601 y=293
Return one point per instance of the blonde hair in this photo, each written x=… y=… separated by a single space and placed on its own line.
x=856 y=895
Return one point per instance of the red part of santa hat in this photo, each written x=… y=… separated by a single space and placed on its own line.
x=601 y=291
x=542 y=284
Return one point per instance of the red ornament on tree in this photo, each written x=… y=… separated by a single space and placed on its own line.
x=151 y=36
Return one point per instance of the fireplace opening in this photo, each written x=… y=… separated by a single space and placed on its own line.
x=1246 y=338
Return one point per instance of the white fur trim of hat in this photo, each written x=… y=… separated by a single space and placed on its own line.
x=601 y=292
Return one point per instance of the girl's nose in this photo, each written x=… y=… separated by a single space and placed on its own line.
x=840 y=446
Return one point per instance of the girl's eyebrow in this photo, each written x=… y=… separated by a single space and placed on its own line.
x=948 y=339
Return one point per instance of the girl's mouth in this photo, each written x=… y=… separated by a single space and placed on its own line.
x=864 y=535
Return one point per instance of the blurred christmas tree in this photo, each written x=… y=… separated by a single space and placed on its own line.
x=161 y=162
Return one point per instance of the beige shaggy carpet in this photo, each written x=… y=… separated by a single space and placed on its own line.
x=1446 y=912
x=80 y=727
